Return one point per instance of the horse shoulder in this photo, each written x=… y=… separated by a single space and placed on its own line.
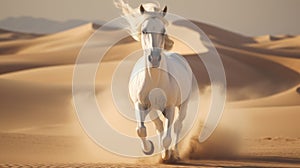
x=137 y=81
x=178 y=66
x=180 y=70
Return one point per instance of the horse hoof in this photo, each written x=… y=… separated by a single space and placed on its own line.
x=170 y=157
x=166 y=155
x=150 y=152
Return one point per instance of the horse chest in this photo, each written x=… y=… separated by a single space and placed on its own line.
x=158 y=93
x=173 y=82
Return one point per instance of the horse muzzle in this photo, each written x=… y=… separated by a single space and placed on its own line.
x=154 y=61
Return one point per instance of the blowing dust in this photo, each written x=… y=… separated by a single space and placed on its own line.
x=222 y=144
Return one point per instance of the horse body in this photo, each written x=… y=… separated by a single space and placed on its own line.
x=160 y=81
x=161 y=89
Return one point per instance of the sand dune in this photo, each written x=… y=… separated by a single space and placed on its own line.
x=6 y=35
x=18 y=99
x=284 y=42
x=70 y=39
x=282 y=99
x=38 y=121
x=66 y=40
x=268 y=38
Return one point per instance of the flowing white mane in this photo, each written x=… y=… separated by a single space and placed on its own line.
x=134 y=18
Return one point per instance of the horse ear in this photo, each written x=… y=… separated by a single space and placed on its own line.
x=142 y=9
x=165 y=11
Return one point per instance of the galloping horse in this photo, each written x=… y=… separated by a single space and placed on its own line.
x=160 y=82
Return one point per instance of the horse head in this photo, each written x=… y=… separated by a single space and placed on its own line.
x=153 y=34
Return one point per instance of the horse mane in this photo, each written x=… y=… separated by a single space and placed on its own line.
x=135 y=19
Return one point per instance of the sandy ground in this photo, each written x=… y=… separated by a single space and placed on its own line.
x=39 y=128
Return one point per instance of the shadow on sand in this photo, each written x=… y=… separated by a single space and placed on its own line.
x=244 y=161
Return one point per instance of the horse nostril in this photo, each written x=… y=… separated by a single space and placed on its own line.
x=159 y=58
x=150 y=58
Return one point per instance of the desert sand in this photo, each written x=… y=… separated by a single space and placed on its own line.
x=39 y=128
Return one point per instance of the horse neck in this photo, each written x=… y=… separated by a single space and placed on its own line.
x=158 y=75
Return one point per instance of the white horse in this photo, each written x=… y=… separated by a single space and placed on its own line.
x=160 y=82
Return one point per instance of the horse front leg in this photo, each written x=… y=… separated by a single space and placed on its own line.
x=167 y=139
x=178 y=127
x=158 y=125
x=141 y=113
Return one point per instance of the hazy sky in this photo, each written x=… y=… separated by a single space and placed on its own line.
x=249 y=17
